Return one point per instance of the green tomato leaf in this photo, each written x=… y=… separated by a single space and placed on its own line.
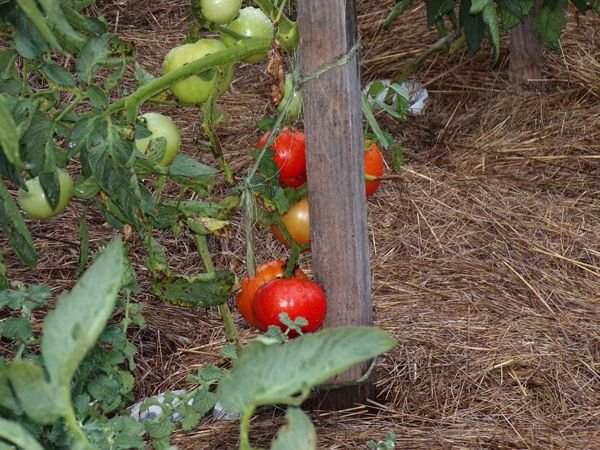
x=298 y=434
x=59 y=75
x=7 y=396
x=80 y=315
x=108 y=157
x=513 y=11
x=186 y=166
x=550 y=22
x=272 y=374
x=18 y=435
x=18 y=328
x=487 y=9
x=14 y=228
x=44 y=402
x=91 y=57
x=33 y=31
x=156 y=262
x=473 y=26
x=9 y=136
x=436 y=9
x=97 y=97
x=197 y=291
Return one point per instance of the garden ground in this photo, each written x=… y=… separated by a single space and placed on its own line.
x=485 y=250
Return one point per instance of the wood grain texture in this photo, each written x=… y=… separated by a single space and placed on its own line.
x=526 y=49
x=334 y=142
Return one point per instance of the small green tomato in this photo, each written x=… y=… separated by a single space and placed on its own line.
x=295 y=108
x=251 y=22
x=220 y=11
x=195 y=89
x=161 y=126
x=35 y=203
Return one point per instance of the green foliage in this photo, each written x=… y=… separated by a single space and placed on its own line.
x=475 y=17
x=283 y=374
x=78 y=372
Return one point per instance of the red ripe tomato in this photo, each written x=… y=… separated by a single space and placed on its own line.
x=297 y=222
x=297 y=298
x=290 y=156
x=265 y=273
x=374 y=167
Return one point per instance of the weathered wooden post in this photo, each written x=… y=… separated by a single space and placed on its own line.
x=336 y=183
x=526 y=49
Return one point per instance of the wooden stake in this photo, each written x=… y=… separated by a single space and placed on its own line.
x=336 y=181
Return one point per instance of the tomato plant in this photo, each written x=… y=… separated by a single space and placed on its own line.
x=35 y=203
x=374 y=167
x=290 y=156
x=297 y=298
x=161 y=126
x=294 y=109
x=197 y=88
x=249 y=285
x=220 y=11
x=251 y=22
x=297 y=222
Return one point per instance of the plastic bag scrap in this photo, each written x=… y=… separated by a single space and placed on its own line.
x=173 y=400
x=414 y=91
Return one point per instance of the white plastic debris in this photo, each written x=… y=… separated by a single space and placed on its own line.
x=154 y=411
x=220 y=414
x=413 y=91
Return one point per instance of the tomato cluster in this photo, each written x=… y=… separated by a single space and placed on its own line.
x=263 y=297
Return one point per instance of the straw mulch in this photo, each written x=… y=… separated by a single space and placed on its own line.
x=485 y=254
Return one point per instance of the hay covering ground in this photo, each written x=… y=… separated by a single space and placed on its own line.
x=485 y=255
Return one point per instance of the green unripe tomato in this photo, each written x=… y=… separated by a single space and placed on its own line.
x=195 y=89
x=161 y=126
x=287 y=35
x=251 y=22
x=295 y=108
x=220 y=11
x=34 y=202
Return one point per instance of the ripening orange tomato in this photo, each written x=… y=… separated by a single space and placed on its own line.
x=265 y=273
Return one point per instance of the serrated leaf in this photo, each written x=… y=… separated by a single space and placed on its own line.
x=272 y=374
x=159 y=429
x=18 y=328
x=436 y=9
x=512 y=12
x=9 y=137
x=33 y=34
x=550 y=22
x=197 y=291
x=59 y=75
x=44 y=402
x=156 y=262
x=14 y=228
x=487 y=9
x=98 y=98
x=141 y=75
x=15 y=433
x=373 y=124
x=186 y=166
x=92 y=55
x=472 y=25
x=80 y=315
x=298 y=434
x=70 y=38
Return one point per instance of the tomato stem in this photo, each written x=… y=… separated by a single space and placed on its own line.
x=230 y=330
x=245 y=428
x=208 y=125
x=231 y=55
